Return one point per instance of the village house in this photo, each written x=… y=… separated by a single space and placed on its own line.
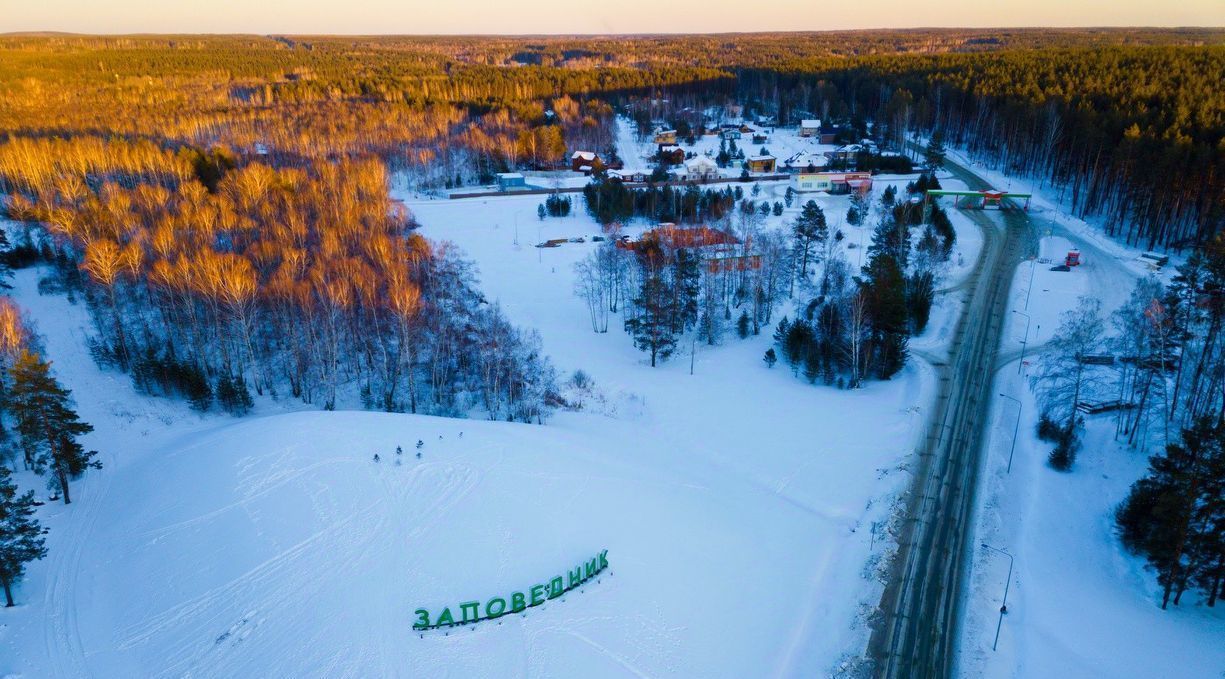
x=721 y=251
x=731 y=133
x=760 y=163
x=665 y=137
x=588 y=159
x=671 y=154
x=805 y=161
x=760 y=138
x=832 y=182
x=846 y=156
x=699 y=169
x=628 y=177
x=510 y=181
x=810 y=128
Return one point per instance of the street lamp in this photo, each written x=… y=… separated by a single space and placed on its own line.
x=1030 y=289
x=1004 y=604
x=1016 y=430
x=1024 y=341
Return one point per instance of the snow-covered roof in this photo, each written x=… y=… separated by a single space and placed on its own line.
x=583 y=155
x=758 y=158
x=668 y=148
x=812 y=124
x=509 y=175
x=701 y=161
x=804 y=159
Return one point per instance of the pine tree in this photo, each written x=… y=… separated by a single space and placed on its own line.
x=770 y=357
x=688 y=288
x=21 y=538
x=233 y=395
x=809 y=231
x=1174 y=516
x=48 y=425
x=933 y=155
x=886 y=288
x=652 y=327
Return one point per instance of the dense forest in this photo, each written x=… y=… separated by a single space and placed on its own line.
x=222 y=203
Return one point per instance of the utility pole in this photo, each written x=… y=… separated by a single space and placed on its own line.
x=1030 y=289
x=1016 y=430
x=1024 y=341
x=1004 y=604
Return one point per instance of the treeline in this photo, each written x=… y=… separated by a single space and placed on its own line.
x=610 y=201
x=1133 y=135
x=298 y=283
x=1129 y=122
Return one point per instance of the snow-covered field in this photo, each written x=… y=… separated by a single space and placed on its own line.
x=737 y=504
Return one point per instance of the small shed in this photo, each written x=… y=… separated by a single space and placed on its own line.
x=509 y=181
x=810 y=128
x=761 y=163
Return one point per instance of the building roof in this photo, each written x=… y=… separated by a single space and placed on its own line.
x=704 y=161
x=813 y=124
x=584 y=155
x=509 y=175
x=760 y=158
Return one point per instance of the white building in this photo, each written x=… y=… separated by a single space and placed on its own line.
x=810 y=128
x=700 y=168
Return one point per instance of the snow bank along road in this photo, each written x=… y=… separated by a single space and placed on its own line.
x=920 y=604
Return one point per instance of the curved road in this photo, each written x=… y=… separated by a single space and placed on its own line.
x=916 y=633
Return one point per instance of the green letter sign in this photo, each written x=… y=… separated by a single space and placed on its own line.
x=519 y=602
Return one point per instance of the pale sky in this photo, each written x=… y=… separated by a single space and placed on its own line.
x=582 y=16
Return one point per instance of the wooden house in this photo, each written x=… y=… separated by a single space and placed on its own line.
x=590 y=159
x=665 y=137
x=671 y=154
x=761 y=163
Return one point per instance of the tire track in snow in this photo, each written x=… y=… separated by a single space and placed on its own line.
x=265 y=591
x=65 y=649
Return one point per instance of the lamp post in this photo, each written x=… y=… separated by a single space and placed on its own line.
x=1030 y=289
x=1004 y=604
x=1016 y=430
x=1024 y=341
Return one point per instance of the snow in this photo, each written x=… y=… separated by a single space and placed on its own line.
x=782 y=142
x=1078 y=605
x=738 y=505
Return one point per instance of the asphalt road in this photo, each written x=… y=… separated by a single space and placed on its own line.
x=917 y=631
